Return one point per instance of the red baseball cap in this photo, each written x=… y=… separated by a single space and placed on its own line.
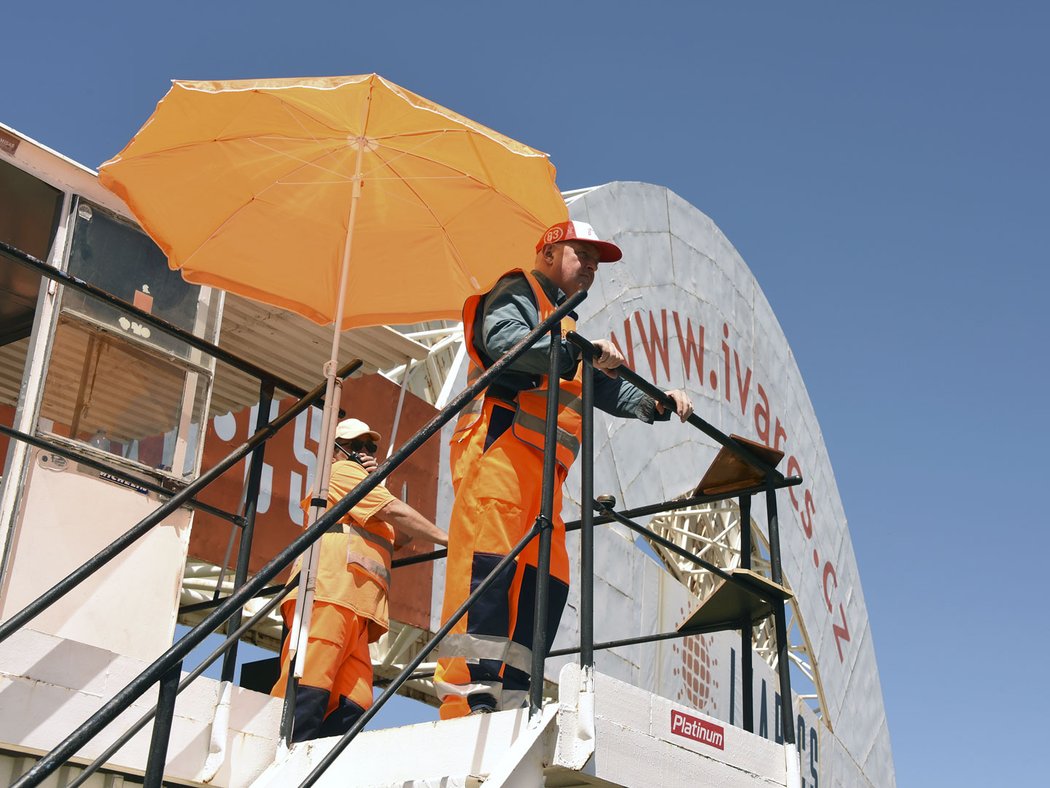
x=608 y=252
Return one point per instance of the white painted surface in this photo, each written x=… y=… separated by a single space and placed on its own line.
x=129 y=606
x=627 y=735
x=50 y=686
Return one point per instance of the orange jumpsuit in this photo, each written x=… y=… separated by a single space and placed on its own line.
x=496 y=458
x=349 y=612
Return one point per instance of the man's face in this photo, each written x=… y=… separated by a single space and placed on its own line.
x=572 y=266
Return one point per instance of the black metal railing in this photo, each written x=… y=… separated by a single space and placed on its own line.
x=164 y=670
x=541 y=530
x=161 y=668
x=221 y=354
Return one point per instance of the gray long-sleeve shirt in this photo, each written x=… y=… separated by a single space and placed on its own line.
x=509 y=312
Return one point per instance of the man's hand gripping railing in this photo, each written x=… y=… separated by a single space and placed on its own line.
x=710 y=430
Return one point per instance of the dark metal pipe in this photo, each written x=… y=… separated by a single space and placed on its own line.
x=745 y=532
x=545 y=521
x=119 y=473
x=683 y=503
x=747 y=669
x=774 y=600
x=776 y=574
x=587 y=520
x=710 y=430
x=422 y=558
x=719 y=626
x=192 y=340
x=100 y=559
x=251 y=504
x=641 y=511
x=158 y=743
x=125 y=697
x=211 y=603
x=680 y=551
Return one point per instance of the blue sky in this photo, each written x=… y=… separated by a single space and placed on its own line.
x=883 y=170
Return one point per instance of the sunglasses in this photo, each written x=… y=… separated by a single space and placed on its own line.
x=367 y=446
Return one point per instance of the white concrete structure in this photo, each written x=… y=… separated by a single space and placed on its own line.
x=685 y=310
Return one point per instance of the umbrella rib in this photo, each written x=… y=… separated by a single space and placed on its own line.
x=232 y=215
x=435 y=135
x=292 y=109
x=303 y=164
x=461 y=174
x=467 y=276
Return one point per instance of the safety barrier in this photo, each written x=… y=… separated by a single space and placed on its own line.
x=165 y=670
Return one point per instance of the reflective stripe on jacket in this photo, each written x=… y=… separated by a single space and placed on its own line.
x=369 y=551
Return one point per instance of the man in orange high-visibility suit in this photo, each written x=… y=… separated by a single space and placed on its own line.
x=496 y=458
x=350 y=597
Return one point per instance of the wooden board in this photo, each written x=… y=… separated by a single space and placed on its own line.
x=729 y=473
x=749 y=596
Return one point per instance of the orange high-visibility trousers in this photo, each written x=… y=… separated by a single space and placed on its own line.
x=336 y=687
x=486 y=659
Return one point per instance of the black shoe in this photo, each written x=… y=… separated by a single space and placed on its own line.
x=482 y=708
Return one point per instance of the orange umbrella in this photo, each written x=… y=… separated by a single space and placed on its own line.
x=249 y=186
x=349 y=200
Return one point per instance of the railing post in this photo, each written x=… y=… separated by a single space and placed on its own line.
x=546 y=523
x=747 y=670
x=779 y=617
x=158 y=745
x=251 y=504
x=587 y=519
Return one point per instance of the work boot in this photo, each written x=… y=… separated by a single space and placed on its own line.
x=310 y=705
x=342 y=718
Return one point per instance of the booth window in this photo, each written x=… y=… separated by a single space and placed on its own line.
x=115 y=384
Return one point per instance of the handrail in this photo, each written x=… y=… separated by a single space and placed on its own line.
x=161 y=670
x=196 y=607
x=157 y=669
x=679 y=551
x=641 y=511
x=75 y=282
x=774 y=479
x=120 y=473
x=684 y=632
x=628 y=374
x=92 y=565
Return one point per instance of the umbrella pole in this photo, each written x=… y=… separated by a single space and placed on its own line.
x=298 y=637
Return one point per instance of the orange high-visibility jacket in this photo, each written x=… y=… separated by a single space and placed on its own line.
x=530 y=405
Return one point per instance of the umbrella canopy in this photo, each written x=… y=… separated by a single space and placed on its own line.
x=348 y=200
x=248 y=186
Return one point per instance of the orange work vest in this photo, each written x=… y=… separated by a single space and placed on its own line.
x=530 y=405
